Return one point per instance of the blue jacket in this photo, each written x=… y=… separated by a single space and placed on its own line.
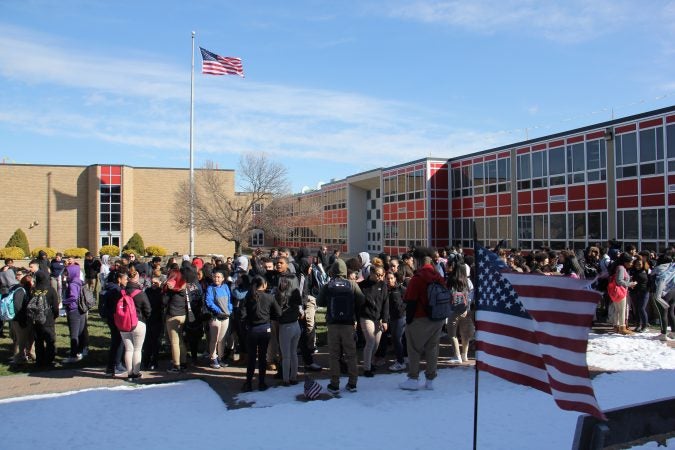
x=213 y=293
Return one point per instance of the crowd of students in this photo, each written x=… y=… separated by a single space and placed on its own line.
x=261 y=310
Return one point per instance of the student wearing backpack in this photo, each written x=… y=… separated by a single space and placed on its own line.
x=422 y=334
x=154 y=326
x=373 y=314
x=288 y=296
x=307 y=322
x=460 y=320
x=77 y=321
x=44 y=333
x=133 y=339
x=15 y=290
x=341 y=297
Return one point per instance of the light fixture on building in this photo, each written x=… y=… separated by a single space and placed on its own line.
x=34 y=224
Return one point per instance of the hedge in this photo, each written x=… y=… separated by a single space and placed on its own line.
x=135 y=244
x=12 y=252
x=51 y=253
x=20 y=240
x=155 y=250
x=110 y=250
x=75 y=252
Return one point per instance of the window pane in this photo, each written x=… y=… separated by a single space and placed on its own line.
x=523 y=167
x=578 y=158
x=558 y=226
x=630 y=224
x=491 y=172
x=556 y=160
x=670 y=130
x=540 y=225
x=628 y=148
x=593 y=155
x=647 y=145
x=578 y=223
x=649 y=224
x=671 y=224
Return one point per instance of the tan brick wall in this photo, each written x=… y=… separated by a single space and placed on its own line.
x=55 y=196
x=64 y=201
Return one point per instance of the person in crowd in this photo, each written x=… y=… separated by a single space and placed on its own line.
x=43 y=261
x=56 y=268
x=45 y=334
x=154 y=324
x=219 y=305
x=109 y=295
x=664 y=270
x=640 y=294
x=133 y=340
x=77 y=320
x=194 y=323
x=341 y=326
x=373 y=313
x=422 y=334
x=19 y=287
x=364 y=261
x=92 y=267
x=571 y=266
x=459 y=283
x=396 y=293
x=307 y=321
x=322 y=256
x=407 y=269
x=332 y=259
x=176 y=312
x=241 y=289
x=289 y=298
x=622 y=278
x=257 y=311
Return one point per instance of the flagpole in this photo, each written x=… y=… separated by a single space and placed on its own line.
x=192 y=170
x=476 y=294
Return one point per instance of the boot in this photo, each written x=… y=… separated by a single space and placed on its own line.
x=625 y=331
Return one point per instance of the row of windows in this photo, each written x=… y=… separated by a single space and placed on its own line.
x=405 y=186
x=482 y=178
x=402 y=232
x=643 y=154
x=110 y=205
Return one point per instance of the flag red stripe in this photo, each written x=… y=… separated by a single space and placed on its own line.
x=512 y=354
x=517 y=378
x=567 y=368
x=573 y=345
x=557 y=293
x=570 y=388
x=581 y=407
x=577 y=320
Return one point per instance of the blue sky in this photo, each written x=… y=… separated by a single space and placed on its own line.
x=331 y=88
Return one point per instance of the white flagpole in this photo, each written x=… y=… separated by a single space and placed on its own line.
x=192 y=170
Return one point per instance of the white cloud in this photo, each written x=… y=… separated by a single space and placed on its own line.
x=570 y=22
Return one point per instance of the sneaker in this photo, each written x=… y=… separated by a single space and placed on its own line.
x=368 y=373
x=134 y=376
x=411 y=384
x=397 y=367
x=174 y=369
x=236 y=357
x=120 y=368
x=215 y=364
x=73 y=359
x=429 y=385
x=183 y=367
x=351 y=387
x=314 y=367
x=664 y=337
x=406 y=360
x=455 y=360
x=85 y=351
x=271 y=367
x=333 y=388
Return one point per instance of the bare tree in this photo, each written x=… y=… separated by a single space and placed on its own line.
x=293 y=216
x=218 y=209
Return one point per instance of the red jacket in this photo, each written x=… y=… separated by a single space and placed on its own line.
x=417 y=288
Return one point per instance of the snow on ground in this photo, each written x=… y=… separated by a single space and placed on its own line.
x=637 y=352
x=190 y=415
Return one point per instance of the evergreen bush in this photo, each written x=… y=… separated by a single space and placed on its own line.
x=20 y=240
x=135 y=244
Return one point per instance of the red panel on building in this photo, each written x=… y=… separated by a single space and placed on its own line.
x=478 y=160
x=524 y=209
x=627 y=187
x=598 y=190
x=557 y=191
x=420 y=205
x=505 y=210
x=467 y=203
x=521 y=151
x=597 y=204
x=624 y=129
x=490 y=157
x=539 y=147
x=491 y=200
x=576 y=193
x=504 y=155
x=653 y=200
x=456 y=204
x=575 y=139
x=540 y=196
x=540 y=208
x=440 y=180
x=576 y=205
x=596 y=135
x=441 y=205
x=558 y=207
x=627 y=202
x=455 y=165
x=490 y=212
x=524 y=197
x=466 y=162
x=671 y=199
x=559 y=143
x=653 y=185
x=651 y=123
x=670 y=119
x=504 y=199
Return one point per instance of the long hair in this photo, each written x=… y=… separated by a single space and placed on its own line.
x=457 y=278
x=256 y=283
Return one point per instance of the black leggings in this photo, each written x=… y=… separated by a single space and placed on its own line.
x=257 y=342
x=45 y=344
x=77 y=323
x=667 y=313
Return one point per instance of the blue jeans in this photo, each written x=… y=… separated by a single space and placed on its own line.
x=397 y=329
x=641 y=301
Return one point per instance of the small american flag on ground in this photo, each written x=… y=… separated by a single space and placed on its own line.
x=213 y=64
x=533 y=330
x=312 y=389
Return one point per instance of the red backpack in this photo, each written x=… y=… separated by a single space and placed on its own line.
x=125 y=312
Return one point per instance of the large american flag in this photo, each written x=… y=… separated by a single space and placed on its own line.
x=213 y=64
x=533 y=330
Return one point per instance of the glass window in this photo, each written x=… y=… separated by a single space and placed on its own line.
x=671 y=224
x=627 y=224
x=540 y=229
x=670 y=130
x=576 y=163
x=539 y=169
x=653 y=224
x=597 y=226
x=558 y=227
x=524 y=227
x=651 y=151
x=491 y=172
x=626 y=155
x=556 y=165
x=478 y=180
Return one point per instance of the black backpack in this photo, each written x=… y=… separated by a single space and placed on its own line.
x=86 y=300
x=440 y=303
x=341 y=306
x=37 y=308
x=460 y=302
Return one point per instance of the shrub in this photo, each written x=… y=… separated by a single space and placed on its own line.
x=110 y=250
x=12 y=252
x=75 y=252
x=20 y=240
x=51 y=253
x=135 y=244
x=155 y=250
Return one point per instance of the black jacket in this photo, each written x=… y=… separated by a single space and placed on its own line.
x=396 y=303
x=375 y=305
x=143 y=307
x=259 y=308
x=155 y=296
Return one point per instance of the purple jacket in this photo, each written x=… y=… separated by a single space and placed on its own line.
x=74 y=287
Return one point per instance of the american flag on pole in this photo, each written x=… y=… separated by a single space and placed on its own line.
x=213 y=64
x=533 y=330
